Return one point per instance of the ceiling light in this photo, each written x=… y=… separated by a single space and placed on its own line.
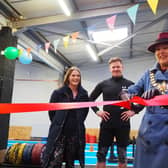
x=91 y=52
x=64 y=7
x=108 y=35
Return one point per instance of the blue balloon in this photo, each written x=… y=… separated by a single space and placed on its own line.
x=24 y=58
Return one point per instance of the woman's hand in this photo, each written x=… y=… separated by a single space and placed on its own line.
x=149 y=94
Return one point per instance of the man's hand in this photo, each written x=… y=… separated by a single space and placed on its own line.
x=103 y=114
x=125 y=116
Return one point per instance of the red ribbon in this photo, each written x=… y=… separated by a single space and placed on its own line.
x=32 y=107
x=161 y=100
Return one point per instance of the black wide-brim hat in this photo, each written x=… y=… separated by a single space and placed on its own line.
x=162 y=39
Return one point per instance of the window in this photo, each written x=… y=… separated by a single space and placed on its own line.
x=108 y=35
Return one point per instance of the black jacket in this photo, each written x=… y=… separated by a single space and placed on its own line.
x=58 y=118
x=110 y=90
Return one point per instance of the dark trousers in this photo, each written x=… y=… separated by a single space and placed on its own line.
x=106 y=137
x=65 y=151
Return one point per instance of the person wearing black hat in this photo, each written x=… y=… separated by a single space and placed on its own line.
x=152 y=141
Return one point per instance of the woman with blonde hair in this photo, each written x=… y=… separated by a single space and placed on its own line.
x=66 y=138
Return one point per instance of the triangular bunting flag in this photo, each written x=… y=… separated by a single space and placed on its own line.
x=111 y=22
x=153 y=5
x=47 y=46
x=28 y=50
x=66 y=41
x=55 y=43
x=132 y=12
x=74 y=36
x=38 y=47
x=20 y=52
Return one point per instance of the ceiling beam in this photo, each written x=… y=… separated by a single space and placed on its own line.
x=75 y=16
x=3 y=21
x=9 y=11
x=40 y=39
x=85 y=28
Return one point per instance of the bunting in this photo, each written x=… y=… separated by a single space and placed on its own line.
x=38 y=47
x=132 y=12
x=47 y=46
x=55 y=43
x=28 y=51
x=153 y=5
x=66 y=41
x=20 y=51
x=74 y=36
x=111 y=22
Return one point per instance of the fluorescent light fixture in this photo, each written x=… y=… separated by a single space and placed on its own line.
x=91 y=52
x=108 y=35
x=64 y=7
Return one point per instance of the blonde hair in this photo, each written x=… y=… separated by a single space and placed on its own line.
x=115 y=59
x=68 y=73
